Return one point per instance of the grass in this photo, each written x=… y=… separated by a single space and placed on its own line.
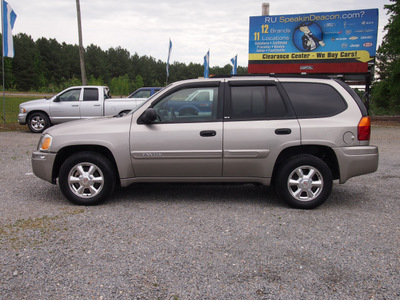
x=10 y=105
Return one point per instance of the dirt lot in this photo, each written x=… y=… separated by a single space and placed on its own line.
x=197 y=241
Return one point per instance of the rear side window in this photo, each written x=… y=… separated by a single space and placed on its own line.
x=91 y=94
x=256 y=102
x=314 y=100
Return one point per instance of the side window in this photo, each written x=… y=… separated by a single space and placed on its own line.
x=197 y=104
x=71 y=95
x=90 y=94
x=142 y=94
x=314 y=100
x=257 y=102
x=107 y=94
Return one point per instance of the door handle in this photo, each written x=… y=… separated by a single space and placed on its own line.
x=283 y=131
x=208 y=133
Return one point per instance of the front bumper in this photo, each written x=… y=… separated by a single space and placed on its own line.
x=355 y=161
x=42 y=165
x=22 y=118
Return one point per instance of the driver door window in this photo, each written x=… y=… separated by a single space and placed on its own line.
x=71 y=95
x=189 y=105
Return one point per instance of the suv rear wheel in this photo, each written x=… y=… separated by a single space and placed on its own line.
x=304 y=181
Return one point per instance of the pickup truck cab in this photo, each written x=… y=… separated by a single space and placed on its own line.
x=74 y=103
x=296 y=133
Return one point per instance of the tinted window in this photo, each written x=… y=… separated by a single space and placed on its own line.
x=356 y=98
x=256 y=102
x=314 y=100
x=189 y=105
x=90 y=94
x=142 y=94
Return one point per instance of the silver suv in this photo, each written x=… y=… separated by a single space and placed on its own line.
x=296 y=133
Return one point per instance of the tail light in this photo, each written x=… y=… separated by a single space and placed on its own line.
x=364 y=129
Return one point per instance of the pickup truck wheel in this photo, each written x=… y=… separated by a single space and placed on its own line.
x=38 y=122
x=304 y=181
x=87 y=178
x=123 y=113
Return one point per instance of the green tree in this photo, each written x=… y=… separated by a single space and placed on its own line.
x=97 y=63
x=386 y=91
x=138 y=82
x=25 y=64
x=121 y=85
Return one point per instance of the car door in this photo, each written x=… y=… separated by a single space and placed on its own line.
x=66 y=106
x=179 y=145
x=91 y=104
x=259 y=124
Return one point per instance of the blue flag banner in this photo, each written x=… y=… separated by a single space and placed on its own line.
x=207 y=65
x=9 y=17
x=234 y=65
x=169 y=55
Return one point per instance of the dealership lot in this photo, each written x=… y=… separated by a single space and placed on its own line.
x=173 y=241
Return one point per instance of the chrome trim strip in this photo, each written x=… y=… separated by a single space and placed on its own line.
x=175 y=154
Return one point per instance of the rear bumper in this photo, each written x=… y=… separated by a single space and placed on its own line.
x=355 y=161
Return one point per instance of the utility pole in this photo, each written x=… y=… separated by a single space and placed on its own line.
x=265 y=9
x=81 y=50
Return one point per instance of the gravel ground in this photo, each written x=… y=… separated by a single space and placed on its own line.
x=169 y=241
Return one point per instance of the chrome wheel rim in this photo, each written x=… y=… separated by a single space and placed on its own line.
x=305 y=183
x=86 y=180
x=37 y=123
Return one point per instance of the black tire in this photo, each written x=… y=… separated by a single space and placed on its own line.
x=38 y=122
x=124 y=113
x=87 y=178
x=304 y=181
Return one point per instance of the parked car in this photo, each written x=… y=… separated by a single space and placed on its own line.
x=296 y=133
x=144 y=92
x=74 y=103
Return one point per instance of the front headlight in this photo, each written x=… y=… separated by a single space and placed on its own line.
x=45 y=143
x=22 y=110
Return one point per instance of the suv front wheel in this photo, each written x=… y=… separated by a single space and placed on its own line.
x=87 y=178
x=304 y=181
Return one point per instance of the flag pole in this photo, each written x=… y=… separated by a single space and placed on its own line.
x=169 y=55
x=2 y=61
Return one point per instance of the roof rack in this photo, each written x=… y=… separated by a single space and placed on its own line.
x=321 y=76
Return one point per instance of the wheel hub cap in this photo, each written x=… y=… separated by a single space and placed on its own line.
x=86 y=180
x=305 y=183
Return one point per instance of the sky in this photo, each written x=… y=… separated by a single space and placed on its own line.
x=145 y=27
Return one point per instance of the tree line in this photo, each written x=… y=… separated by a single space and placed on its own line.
x=386 y=90
x=45 y=65
x=48 y=66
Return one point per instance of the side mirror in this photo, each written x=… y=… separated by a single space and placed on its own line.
x=149 y=116
x=56 y=99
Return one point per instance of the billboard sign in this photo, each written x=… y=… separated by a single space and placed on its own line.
x=330 y=42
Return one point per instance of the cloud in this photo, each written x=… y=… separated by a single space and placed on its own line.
x=144 y=27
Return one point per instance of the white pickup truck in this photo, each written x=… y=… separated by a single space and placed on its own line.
x=74 y=103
